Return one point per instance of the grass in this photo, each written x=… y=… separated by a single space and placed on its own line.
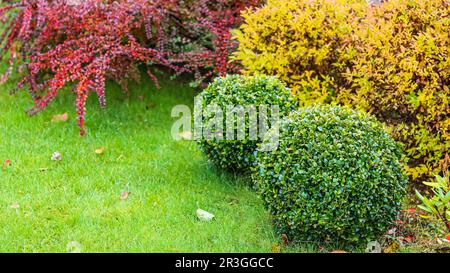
x=52 y=206
x=45 y=204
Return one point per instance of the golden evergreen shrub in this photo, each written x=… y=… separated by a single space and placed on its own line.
x=391 y=60
x=307 y=43
x=401 y=73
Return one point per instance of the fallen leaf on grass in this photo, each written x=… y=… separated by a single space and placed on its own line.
x=187 y=135
x=285 y=239
x=338 y=251
x=204 y=215
x=60 y=118
x=276 y=248
x=43 y=169
x=3 y=78
x=7 y=163
x=448 y=239
x=124 y=195
x=410 y=210
x=100 y=150
x=409 y=239
x=392 y=248
x=15 y=206
x=56 y=156
x=73 y=247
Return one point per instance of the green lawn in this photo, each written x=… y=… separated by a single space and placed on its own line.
x=78 y=199
x=46 y=206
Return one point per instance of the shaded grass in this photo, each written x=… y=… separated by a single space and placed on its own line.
x=78 y=198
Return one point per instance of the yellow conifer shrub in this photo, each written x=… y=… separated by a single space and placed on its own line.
x=391 y=60
x=306 y=43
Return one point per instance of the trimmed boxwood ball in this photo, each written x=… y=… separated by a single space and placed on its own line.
x=237 y=90
x=335 y=177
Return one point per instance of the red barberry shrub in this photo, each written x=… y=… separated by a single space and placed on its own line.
x=56 y=43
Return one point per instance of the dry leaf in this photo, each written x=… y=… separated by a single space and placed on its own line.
x=204 y=215
x=338 y=251
x=15 y=206
x=124 y=195
x=100 y=150
x=7 y=163
x=56 y=156
x=60 y=118
x=276 y=248
x=3 y=78
x=392 y=248
x=73 y=247
x=187 y=135
x=285 y=239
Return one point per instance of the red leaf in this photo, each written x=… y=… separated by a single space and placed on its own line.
x=410 y=210
x=409 y=239
x=7 y=163
x=448 y=237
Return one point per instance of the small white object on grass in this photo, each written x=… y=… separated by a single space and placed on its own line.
x=73 y=247
x=56 y=156
x=204 y=215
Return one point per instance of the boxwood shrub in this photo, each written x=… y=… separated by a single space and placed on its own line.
x=237 y=90
x=335 y=177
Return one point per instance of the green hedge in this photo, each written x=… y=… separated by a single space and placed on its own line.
x=234 y=90
x=335 y=176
